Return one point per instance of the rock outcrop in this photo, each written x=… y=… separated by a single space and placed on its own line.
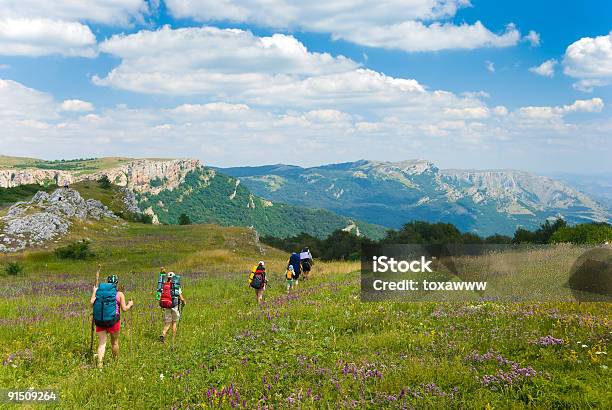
x=10 y=178
x=45 y=217
x=149 y=176
x=140 y=176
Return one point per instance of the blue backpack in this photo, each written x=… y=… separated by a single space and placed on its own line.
x=105 y=310
x=294 y=260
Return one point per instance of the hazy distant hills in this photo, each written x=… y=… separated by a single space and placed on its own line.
x=392 y=193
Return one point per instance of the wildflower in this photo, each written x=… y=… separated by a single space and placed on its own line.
x=548 y=341
x=161 y=376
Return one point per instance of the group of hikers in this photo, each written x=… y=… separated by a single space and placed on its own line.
x=108 y=302
x=299 y=264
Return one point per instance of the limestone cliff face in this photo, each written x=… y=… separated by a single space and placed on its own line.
x=10 y=178
x=147 y=176
x=141 y=176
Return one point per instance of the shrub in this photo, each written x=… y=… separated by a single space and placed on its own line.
x=13 y=268
x=104 y=182
x=184 y=220
x=75 y=250
x=144 y=218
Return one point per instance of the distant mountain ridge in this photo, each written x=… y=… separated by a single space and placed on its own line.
x=392 y=193
x=166 y=188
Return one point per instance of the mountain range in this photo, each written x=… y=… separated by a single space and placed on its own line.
x=364 y=197
x=391 y=193
x=166 y=188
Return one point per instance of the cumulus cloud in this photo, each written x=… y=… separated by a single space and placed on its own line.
x=417 y=36
x=76 y=106
x=278 y=71
x=546 y=69
x=589 y=60
x=42 y=27
x=34 y=123
x=19 y=103
x=587 y=106
x=410 y=25
x=532 y=38
x=41 y=36
x=119 y=12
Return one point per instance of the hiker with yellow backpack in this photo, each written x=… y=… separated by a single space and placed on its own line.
x=291 y=278
x=257 y=280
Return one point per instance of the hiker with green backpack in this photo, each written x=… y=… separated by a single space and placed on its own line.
x=170 y=299
x=107 y=302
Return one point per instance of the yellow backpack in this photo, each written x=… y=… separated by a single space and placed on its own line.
x=289 y=275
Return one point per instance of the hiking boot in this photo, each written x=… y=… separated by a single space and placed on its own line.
x=162 y=338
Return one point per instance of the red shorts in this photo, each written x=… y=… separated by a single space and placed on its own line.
x=113 y=329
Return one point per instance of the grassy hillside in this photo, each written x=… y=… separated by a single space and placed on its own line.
x=209 y=197
x=319 y=347
x=79 y=166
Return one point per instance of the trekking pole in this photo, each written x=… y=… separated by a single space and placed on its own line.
x=130 y=329
x=92 y=317
x=92 y=334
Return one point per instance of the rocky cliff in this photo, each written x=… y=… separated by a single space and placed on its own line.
x=141 y=175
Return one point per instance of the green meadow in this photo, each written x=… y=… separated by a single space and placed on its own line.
x=319 y=346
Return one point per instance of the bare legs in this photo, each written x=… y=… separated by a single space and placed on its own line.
x=167 y=327
x=259 y=294
x=102 y=338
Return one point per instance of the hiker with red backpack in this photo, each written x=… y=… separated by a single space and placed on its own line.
x=171 y=298
x=257 y=280
x=107 y=304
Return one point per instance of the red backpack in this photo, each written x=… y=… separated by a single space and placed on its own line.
x=167 y=300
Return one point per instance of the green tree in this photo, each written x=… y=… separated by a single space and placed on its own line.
x=184 y=219
x=591 y=233
x=104 y=182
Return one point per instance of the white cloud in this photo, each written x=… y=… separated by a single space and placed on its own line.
x=472 y=112
x=589 y=60
x=416 y=36
x=99 y=11
x=546 y=69
x=212 y=61
x=586 y=106
x=43 y=27
x=18 y=102
x=230 y=133
x=490 y=66
x=410 y=25
x=500 y=110
x=532 y=38
x=76 y=106
x=39 y=36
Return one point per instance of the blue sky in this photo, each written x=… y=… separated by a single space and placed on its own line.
x=256 y=82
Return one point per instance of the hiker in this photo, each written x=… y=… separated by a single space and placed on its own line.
x=106 y=301
x=294 y=261
x=257 y=280
x=290 y=278
x=306 y=261
x=171 y=298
